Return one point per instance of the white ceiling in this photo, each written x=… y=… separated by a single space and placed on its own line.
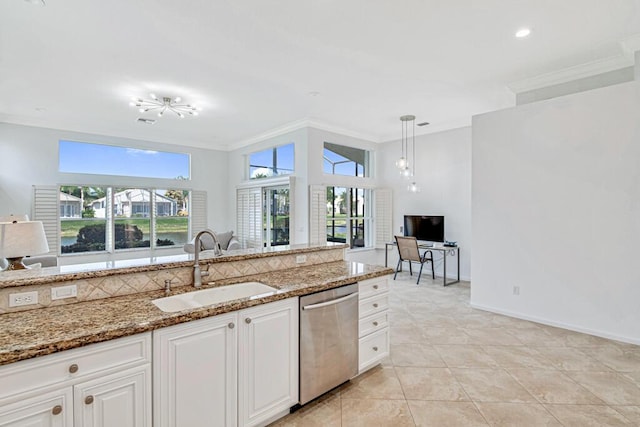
x=251 y=64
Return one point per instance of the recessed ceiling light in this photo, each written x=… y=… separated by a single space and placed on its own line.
x=422 y=124
x=523 y=32
x=314 y=93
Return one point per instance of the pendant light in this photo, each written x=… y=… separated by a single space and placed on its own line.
x=408 y=169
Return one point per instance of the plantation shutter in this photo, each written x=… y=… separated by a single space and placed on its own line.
x=45 y=207
x=317 y=214
x=198 y=211
x=383 y=216
x=249 y=217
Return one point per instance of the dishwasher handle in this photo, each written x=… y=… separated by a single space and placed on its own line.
x=330 y=302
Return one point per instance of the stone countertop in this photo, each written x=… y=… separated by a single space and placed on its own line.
x=33 y=333
x=101 y=269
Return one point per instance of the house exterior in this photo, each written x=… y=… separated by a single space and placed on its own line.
x=70 y=206
x=135 y=202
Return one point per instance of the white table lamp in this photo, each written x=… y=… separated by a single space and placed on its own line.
x=20 y=239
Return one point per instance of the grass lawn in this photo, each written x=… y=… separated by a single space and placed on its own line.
x=172 y=224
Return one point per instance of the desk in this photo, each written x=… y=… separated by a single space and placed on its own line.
x=445 y=252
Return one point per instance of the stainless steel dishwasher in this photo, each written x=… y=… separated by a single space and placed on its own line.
x=328 y=340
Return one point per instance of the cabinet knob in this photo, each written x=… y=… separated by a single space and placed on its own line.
x=375 y=305
x=73 y=368
x=57 y=410
x=88 y=400
x=231 y=325
x=248 y=320
x=375 y=286
x=375 y=323
x=375 y=348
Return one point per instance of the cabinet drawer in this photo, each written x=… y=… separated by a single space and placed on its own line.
x=370 y=287
x=373 y=323
x=375 y=304
x=373 y=348
x=101 y=358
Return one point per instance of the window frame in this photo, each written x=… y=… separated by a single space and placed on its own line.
x=367 y=171
x=349 y=219
x=274 y=151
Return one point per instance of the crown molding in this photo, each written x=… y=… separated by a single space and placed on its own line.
x=300 y=124
x=565 y=75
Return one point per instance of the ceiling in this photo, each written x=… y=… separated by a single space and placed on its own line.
x=256 y=66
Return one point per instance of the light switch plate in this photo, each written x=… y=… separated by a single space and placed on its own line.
x=62 y=292
x=301 y=259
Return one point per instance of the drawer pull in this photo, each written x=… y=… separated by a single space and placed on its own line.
x=57 y=410
x=73 y=368
x=375 y=305
x=231 y=325
x=88 y=400
x=375 y=323
x=375 y=348
x=247 y=320
x=375 y=286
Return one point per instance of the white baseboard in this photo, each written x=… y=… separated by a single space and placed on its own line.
x=562 y=325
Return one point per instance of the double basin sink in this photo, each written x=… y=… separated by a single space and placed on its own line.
x=205 y=297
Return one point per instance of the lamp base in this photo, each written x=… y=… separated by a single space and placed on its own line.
x=15 y=264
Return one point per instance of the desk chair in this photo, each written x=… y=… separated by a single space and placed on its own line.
x=408 y=251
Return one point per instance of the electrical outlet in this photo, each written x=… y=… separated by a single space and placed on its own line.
x=24 y=298
x=401 y=229
x=301 y=259
x=62 y=292
x=516 y=290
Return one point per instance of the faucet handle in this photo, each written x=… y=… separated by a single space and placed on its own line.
x=167 y=286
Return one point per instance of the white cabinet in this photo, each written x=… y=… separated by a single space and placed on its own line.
x=268 y=361
x=373 y=325
x=194 y=372
x=103 y=384
x=238 y=368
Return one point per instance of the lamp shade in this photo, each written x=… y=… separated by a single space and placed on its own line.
x=19 y=239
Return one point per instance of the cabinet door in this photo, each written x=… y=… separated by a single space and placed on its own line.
x=195 y=373
x=48 y=410
x=268 y=370
x=122 y=400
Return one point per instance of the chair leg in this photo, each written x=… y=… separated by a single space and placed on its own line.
x=433 y=271
x=397 y=269
x=410 y=269
x=420 y=273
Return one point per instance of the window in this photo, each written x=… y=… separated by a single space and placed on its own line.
x=272 y=162
x=348 y=216
x=342 y=160
x=86 y=158
x=104 y=219
x=275 y=212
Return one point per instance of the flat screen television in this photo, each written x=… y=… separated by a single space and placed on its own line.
x=429 y=228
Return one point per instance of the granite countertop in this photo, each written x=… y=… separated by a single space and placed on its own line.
x=101 y=269
x=28 y=334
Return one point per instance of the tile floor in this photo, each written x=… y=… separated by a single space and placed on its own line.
x=452 y=365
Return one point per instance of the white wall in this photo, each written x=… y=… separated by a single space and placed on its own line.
x=443 y=173
x=556 y=211
x=29 y=156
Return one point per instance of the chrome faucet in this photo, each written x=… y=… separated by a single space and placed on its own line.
x=197 y=273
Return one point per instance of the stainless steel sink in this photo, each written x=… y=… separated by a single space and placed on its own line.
x=205 y=297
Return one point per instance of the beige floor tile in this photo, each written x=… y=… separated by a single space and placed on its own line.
x=491 y=336
x=612 y=387
x=450 y=414
x=378 y=383
x=406 y=334
x=616 y=357
x=430 y=384
x=517 y=415
x=539 y=337
x=445 y=335
x=492 y=385
x=633 y=376
x=632 y=413
x=553 y=387
x=588 y=416
x=375 y=412
x=423 y=355
x=570 y=359
x=326 y=411
x=465 y=356
x=510 y=356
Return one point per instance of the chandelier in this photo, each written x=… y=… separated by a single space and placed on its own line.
x=408 y=169
x=163 y=104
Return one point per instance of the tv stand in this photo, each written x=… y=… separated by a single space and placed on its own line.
x=446 y=250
